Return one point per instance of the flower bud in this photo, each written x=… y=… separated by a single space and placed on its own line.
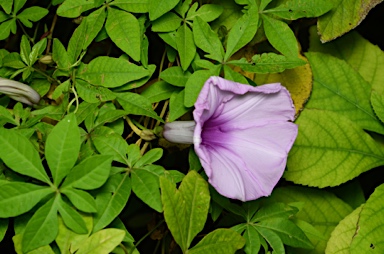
x=47 y=59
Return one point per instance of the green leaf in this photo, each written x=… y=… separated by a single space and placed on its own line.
x=219 y=241
x=288 y=232
x=338 y=152
x=37 y=50
x=175 y=76
x=377 y=101
x=60 y=55
x=34 y=13
x=194 y=85
x=62 y=148
x=207 y=12
x=274 y=210
x=324 y=217
x=13 y=60
x=149 y=157
x=110 y=72
x=370 y=225
x=20 y=155
x=295 y=9
x=136 y=6
x=95 y=22
x=80 y=199
x=72 y=218
x=136 y=104
x=231 y=74
x=73 y=8
x=3 y=228
x=42 y=228
x=7 y=5
x=336 y=82
x=25 y=50
x=104 y=241
x=93 y=94
x=17 y=198
x=281 y=37
x=272 y=238
x=167 y=23
x=344 y=17
x=111 y=200
x=206 y=39
x=242 y=32
x=6 y=28
x=77 y=41
x=89 y=174
x=117 y=25
x=176 y=105
x=146 y=186
x=158 y=8
x=186 y=209
x=112 y=144
x=158 y=91
x=252 y=240
x=185 y=45
x=268 y=63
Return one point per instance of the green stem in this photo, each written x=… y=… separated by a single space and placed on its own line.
x=145 y=236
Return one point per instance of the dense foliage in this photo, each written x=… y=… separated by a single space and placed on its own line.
x=86 y=169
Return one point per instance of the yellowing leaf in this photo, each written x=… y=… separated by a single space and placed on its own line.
x=298 y=81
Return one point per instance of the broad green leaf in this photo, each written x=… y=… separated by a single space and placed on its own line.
x=242 y=32
x=111 y=200
x=77 y=41
x=25 y=50
x=37 y=50
x=149 y=157
x=17 y=242
x=273 y=211
x=136 y=104
x=136 y=6
x=17 y=198
x=80 y=199
x=185 y=45
x=268 y=63
x=252 y=240
x=134 y=154
x=93 y=94
x=90 y=173
x=6 y=28
x=186 y=209
x=344 y=16
x=112 y=144
x=117 y=25
x=176 y=105
x=146 y=186
x=72 y=219
x=7 y=5
x=6 y=116
x=338 y=152
x=84 y=110
x=73 y=8
x=338 y=88
x=182 y=7
x=289 y=233
x=272 y=238
x=13 y=60
x=110 y=72
x=351 y=193
x=42 y=228
x=377 y=101
x=207 y=12
x=170 y=39
x=158 y=91
x=363 y=56
x=206 y=39
x=62 y=148
x=231 y=74
x=108 y=116
x=3 y=228
x=343 y=234
x=281 y=37
x=295 y=9
x=175 y=76
x=34 y=13
x=320 y=208
x=95 y=22
x=158 y=8
x=18 y=153
x=219 y=241
x=231 y=13
x=167 y=23
x=102 y=242
x=60 y=55
x=370 y=225
x=194 y=85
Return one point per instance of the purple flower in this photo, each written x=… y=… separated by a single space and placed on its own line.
x=242 y=135
x=19 y=91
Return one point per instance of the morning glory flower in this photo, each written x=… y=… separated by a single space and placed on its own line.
x=242 y=135
x=19 y=91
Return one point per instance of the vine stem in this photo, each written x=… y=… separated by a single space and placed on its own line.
x=145 y=236
x=50 y=35
x=25 y=32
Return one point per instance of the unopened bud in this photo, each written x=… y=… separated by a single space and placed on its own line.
x=147 y=135
x=47 y=59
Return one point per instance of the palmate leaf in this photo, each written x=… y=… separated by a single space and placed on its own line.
x=77 y=41
x=20 y=155
x=95 y=22
x=62 y=148
x=185 y=45
x=34 y=13
x=103 y=241
x=17 y=198
x=167 y=23
x=112 y=144
x=159 y=91
x=194 y=85
x=338 y=88
x=42 y=228
x=80 y=199
x=73 y=8
x=175 y=76
x=207 y=12
x=272 y=238
x=186 y=209
x=158 y=8
x=71 y=217
x=135 y=6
